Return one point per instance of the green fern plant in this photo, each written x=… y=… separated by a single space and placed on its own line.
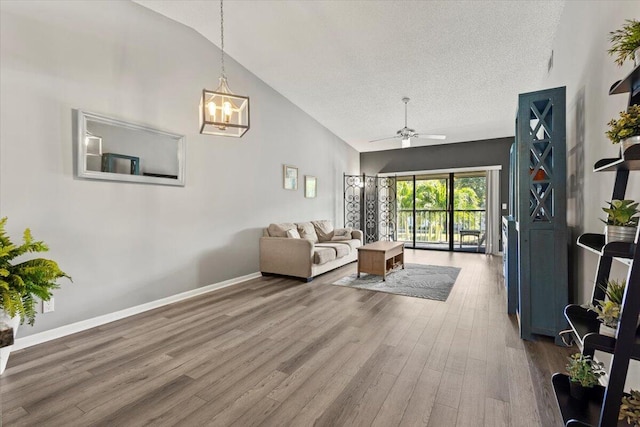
x=630 y=408
x=626 y=126
x=614 y=290
x=23 y=283
x=625 y=41
x=622 y=213
x=584 y=370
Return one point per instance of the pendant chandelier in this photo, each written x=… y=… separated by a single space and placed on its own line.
x=222 y=112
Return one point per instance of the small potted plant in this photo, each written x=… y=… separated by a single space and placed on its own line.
x=621 y=222
x=625 y=42
x=630 y=409
x=614 y=290
x=22 y=284
x=609 y=314
x=583 y=375
x=625 y=129
x=608 y=310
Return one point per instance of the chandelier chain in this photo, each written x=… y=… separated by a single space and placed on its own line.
x=222 y=37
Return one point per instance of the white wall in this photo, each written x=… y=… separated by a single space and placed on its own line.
x=582 y=64
x=126 y=244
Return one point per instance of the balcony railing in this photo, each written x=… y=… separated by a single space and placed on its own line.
x=432 y=225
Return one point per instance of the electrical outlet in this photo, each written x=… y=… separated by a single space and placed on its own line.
x=48 y=306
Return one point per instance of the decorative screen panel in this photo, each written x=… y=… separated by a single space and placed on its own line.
x=370 y=209
x=370 y=206
x=352 y=201
x=387 y=208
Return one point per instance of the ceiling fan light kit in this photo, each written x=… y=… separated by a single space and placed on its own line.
x=222 y=112
x=405 y=134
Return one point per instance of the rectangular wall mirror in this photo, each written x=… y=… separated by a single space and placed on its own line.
x=115 y=150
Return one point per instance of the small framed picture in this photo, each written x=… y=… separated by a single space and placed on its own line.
x=290 y=176
x=310 y=186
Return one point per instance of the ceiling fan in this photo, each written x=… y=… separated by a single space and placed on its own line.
x=405 y=134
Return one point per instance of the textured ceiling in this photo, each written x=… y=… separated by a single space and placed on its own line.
x=349 y=63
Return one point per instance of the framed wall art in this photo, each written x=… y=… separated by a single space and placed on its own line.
x=310 y=186
x=290 y=177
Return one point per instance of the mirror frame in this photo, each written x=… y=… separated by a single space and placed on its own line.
x=81 y=167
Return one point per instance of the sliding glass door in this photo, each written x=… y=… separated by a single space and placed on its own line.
x=444 y=211
x=469 y=211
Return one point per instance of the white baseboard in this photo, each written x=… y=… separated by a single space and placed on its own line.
x=73 y=328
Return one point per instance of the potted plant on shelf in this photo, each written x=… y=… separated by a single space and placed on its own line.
x=609 y=315
x=625 y=42
x=583 y=375
x=614 y=290
x=608 y=310
x=625 y=129
x=621 y=222
x=630 y=409
x=23 y=283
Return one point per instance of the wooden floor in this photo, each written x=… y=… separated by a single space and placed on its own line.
x=277 y=352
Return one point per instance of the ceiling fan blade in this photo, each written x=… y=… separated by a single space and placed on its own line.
x=431 y=136
x=384 y=139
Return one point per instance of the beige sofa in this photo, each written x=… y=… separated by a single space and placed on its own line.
x=307 y=249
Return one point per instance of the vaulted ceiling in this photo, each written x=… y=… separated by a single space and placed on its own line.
x=349 y=63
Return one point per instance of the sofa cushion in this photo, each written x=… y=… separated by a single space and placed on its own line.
x=341 y=250
x=323 y=255
x=352 y=243
x=280 y=230
x=324 y=230
x=342 y=234
x=307 y=231
x=293 y=233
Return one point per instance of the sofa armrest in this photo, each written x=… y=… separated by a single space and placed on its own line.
x=357 y=234
x=290 y=257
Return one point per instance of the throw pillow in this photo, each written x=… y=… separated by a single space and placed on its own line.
x=280 y=230
x=324 y=230
x=293 y=234
x=342 y=234
x=307 y=231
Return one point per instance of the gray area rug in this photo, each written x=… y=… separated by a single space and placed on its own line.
x=416 y=280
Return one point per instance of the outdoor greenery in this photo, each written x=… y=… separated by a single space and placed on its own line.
x=626 y=126
x=584 y=370
x=622 y=213
x=625 y=41
x=630 y=408
x=431 y=199
x=22 y=283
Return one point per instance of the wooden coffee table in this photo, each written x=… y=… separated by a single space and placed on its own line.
x=380 y=258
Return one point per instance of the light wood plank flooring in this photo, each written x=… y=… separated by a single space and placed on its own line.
x=277 y=352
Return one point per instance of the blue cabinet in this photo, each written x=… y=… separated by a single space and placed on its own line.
x=510 y=262
x=540 y=213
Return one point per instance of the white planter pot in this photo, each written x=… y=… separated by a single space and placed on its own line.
x=628 y=142
x=608 y=331
x=14 y=322
x=616 y=233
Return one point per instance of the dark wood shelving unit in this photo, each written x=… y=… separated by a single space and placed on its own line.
x=576 y=413
x=626 y=85
x=586 y=328
x=595 y=243
x=629 y=161
x=603 y=406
